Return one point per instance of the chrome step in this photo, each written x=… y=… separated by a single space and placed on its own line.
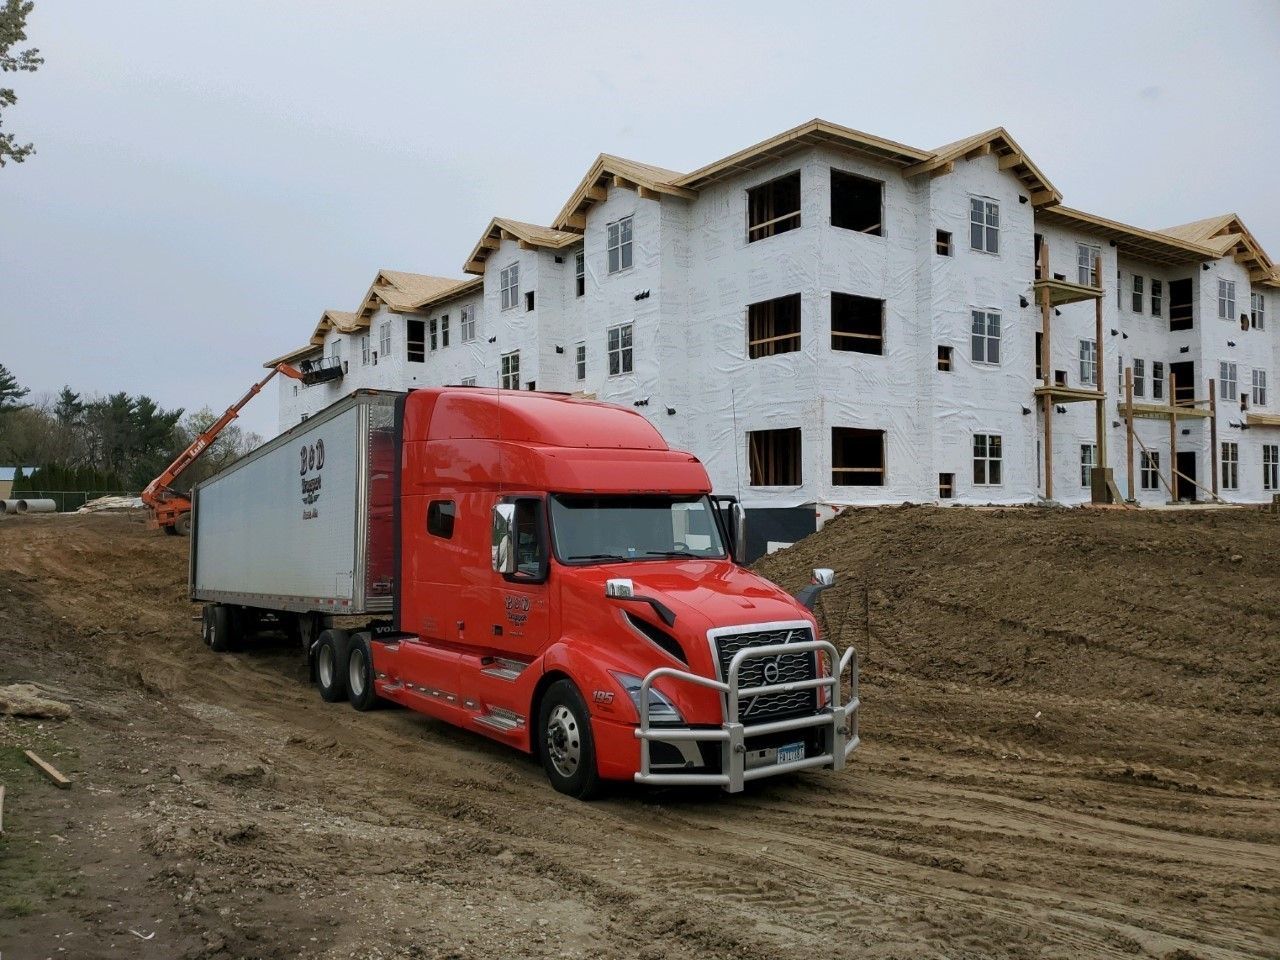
x=502 y=720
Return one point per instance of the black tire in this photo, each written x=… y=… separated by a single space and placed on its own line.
x=360 y=674
x=206 y=623
x=221 y=628
x=170 y=530
x=565 y=743
x=331 y=665
x=182 y=526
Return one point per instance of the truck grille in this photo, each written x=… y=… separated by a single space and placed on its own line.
x=791 y=668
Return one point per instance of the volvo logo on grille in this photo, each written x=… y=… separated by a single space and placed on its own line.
x=772 y=670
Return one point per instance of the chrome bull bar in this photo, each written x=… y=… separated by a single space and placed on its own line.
x=838 y=722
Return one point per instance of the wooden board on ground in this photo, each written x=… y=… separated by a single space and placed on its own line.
x=49 y=770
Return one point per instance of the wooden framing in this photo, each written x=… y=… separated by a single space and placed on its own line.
x=1173 y=436
x=1213 y=433
x=1128 y=430
x=1050 y=393
x=1063 y=291
x=1010 y=157
x=528 y=236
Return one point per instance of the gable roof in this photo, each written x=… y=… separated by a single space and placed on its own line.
x=816 y=132
x=341 y=320
x=610 y=171
x=400 y=291
x=1227 y=235
x=529 y=235
x=1152 y=245
x=1010 y=156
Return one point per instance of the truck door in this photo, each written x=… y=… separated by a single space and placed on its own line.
x=519 y=612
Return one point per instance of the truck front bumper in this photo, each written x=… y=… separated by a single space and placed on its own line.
x=836 y=725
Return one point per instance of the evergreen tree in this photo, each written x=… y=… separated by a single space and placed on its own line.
x=10 y=392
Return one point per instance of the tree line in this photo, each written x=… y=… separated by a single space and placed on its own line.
x=116 y=442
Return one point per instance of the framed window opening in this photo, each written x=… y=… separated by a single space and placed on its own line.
x=857 y=324
x=857 y=203
x=773 y=327
x=774 y=457
x=857 y=457
x=773 y=207
x=1230 y=465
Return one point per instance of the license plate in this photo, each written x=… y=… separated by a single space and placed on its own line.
x=790 y=753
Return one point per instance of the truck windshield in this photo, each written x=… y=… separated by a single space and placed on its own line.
x=600 y=529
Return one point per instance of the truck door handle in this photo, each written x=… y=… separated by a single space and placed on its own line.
x=497 y=630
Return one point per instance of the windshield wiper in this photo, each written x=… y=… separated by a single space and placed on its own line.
x=595 y=556
x=672 y=553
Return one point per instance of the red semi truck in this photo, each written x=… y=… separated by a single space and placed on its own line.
x=539 y=569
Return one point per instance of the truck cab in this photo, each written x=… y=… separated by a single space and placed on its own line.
x=568 y=585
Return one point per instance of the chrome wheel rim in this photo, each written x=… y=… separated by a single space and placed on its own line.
x=326 y=666
x=355 y=672
x=564 y=741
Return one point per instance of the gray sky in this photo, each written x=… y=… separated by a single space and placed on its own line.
x=212 y=176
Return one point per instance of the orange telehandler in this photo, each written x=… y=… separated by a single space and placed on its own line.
x=170 y=510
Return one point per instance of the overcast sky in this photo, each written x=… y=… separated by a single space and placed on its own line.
x=212 y=176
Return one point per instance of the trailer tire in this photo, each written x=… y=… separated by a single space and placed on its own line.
x=221 y=628
x=206 y=623
x=360 y=675
x=331 y=665
x=565 y=744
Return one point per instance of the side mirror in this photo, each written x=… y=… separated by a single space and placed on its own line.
x=620 y=589
x=823 y=578
x=503 y=538
x=739 y=517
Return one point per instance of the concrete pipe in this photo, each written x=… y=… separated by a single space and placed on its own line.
x=37 y=506
x=8 y=506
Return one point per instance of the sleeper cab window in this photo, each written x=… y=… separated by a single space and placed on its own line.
x=440 y=516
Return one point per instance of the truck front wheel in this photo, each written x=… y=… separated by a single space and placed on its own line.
x=565 y=743
x=331 y=665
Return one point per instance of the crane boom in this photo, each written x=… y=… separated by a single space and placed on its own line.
x=170 y=509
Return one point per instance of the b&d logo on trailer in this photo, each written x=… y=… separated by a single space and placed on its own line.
x=312 y=462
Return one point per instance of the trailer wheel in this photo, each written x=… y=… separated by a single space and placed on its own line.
x=331 y=665
x=221 y=626
x=182 y=526
x=565 y=743
x=360 y=675
x=206 y=623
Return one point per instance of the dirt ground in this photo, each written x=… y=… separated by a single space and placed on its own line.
x=1072 y=749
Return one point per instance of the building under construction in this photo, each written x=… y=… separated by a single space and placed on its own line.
x=830 y=318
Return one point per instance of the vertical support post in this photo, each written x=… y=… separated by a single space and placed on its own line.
x=1128 y=425
x=1213 y=434
x=1046 y=370
x=1173 y=437
x=1100 y=406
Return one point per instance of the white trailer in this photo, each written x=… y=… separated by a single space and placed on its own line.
x=305 y=524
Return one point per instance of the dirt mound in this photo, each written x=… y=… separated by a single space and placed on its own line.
x=1099 y=620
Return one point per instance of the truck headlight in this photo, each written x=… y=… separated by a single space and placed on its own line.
x=661 y=710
